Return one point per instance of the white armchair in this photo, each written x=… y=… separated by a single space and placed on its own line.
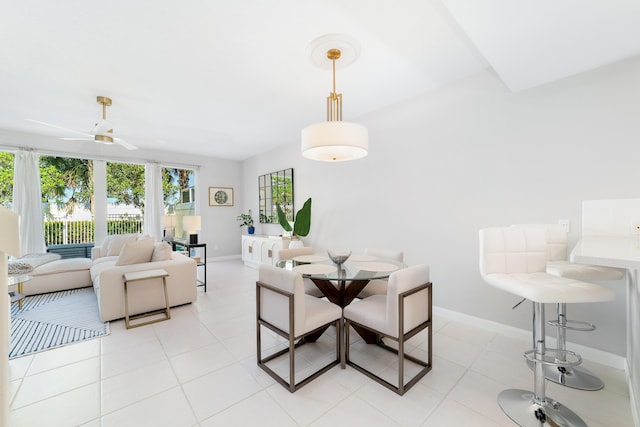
x=288 y=254
x=379 y=286
x=404 y=311
x=283 y=307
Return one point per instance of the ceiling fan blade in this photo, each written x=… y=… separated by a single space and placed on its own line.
x=59 y=127
x=87 y=138
x=125 y=144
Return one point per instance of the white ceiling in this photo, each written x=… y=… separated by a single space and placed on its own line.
x=233 y=79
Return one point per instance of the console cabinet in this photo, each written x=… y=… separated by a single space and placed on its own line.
x=260 y=249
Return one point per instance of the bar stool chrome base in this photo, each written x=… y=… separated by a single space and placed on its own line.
x=519 y=405
x=571 y=376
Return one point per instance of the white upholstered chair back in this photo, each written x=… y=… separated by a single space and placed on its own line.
x=274 y=307
x=509 y=250
x=557 y=244
x=288 y=254
x=385 y=253
x=415 y=306
x=558 y=261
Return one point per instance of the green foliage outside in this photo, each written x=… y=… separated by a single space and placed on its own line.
x=83 y=231
x=132 y=225
x=68 y=182
x=125 y=184
x=6 y=178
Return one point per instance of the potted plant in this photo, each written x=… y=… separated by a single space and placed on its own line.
x=302 y=222
x=247 y=220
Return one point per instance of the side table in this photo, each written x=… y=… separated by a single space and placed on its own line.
x=18 y=280
x=200 y=261
x=139 y=276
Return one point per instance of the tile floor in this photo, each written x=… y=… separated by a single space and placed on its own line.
x=199 y=369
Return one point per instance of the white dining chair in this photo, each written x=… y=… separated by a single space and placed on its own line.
x=288 y=254
x=379 y=286
x=284 y=308
x=400 y=314
x=514 y=259
x=559 y=265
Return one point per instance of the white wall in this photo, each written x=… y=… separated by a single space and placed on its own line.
x=444 y=165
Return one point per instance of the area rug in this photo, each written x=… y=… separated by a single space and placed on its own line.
x=52 y=320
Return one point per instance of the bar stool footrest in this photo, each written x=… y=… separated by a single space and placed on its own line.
x=573 y=325
x=555 y=357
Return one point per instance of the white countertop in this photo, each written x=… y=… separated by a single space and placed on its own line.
x=608 y=251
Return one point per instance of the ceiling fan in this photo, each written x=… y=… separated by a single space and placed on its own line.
x=102 y=131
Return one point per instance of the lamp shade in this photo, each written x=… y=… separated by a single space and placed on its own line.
x=335 y=141
x=169 y=221
x=191 y=223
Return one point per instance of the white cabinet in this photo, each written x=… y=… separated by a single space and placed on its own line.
x=259 y=249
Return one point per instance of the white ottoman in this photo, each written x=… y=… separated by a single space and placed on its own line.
x=59 y=275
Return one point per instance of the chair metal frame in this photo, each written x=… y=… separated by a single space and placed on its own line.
x=291 y=385
x=402 y=388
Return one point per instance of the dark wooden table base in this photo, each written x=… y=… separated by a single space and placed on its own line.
x=343 y=295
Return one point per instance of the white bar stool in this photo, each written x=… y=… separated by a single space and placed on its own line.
x=558 y=265
x=514 y=259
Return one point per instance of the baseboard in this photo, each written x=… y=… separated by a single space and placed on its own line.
x=588 y=353
x=223 y=258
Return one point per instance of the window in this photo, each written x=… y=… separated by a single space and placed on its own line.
x=125 y=198
x=6 y=179
x=179 y=191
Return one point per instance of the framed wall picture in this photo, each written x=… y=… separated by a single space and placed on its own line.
x=220 y=196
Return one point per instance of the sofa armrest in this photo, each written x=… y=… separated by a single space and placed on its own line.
x=95 y=253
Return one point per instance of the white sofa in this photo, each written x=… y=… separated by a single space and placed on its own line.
x=108 y=280
x=105 y=271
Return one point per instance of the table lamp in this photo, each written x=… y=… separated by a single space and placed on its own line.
x=192 y=224
x=169 y=223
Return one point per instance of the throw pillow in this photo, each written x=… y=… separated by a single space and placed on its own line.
x=161 y=252
x=135 y=252
x=116 y=242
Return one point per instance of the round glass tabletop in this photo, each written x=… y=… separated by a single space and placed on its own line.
x=350 y=270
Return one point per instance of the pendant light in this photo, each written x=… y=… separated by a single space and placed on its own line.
x=334 y=140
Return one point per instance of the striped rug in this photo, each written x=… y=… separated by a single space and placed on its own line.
x=52 y=320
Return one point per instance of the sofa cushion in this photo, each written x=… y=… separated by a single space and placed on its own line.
x=161 y=252
x=63 y=265
x=98 y=268
x=114 y=243
x=136 y=252
x=111 y=259
x=36 y=260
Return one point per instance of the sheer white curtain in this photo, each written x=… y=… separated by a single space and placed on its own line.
x=153 y=200
x=27 y=201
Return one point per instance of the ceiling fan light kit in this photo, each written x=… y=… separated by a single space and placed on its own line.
x=334 y=140
x=103 y=131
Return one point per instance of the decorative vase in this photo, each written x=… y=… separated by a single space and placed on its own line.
x=251 y=230
x=296 y=243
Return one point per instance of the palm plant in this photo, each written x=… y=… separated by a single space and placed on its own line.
x=302 y=222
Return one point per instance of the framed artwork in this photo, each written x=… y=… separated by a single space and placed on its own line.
x=220 y=196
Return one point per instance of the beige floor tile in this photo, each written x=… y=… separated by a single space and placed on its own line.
x=57 y=381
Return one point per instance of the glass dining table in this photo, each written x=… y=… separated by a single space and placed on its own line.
x=342 y=284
